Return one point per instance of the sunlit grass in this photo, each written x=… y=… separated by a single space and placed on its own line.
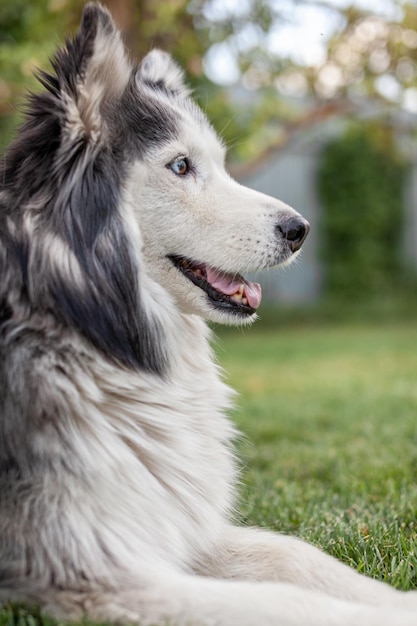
x=330 y=448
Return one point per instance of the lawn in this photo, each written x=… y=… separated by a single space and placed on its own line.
x=329 y=446
x=329 y=416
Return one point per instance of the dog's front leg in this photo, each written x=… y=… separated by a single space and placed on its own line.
x=181 y=600
x=252 y=554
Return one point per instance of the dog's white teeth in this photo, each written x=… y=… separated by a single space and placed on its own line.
x=198 y=272
x=238 y=296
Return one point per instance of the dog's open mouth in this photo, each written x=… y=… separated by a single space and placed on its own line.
x=225 y=291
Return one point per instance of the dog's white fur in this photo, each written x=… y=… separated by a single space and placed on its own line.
x=138 y=529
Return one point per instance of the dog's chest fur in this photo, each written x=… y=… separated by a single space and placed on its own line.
x=147 y=455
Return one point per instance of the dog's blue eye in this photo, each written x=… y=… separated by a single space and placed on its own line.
x=180 y=166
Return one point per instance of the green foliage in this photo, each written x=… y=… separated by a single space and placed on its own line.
x=13 y=615
x=361 y=182
x=28 y=37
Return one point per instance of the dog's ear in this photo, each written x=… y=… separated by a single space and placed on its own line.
x=159 y=71
x=91 y=72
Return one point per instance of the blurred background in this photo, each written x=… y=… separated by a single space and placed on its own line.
x=317 y=102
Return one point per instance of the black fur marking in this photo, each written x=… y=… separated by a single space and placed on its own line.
x=70 y=63
x=76 y=197
x=32 y=152
x=108 y=309
x=9 y=465
x=145 y=122
x=6 y=312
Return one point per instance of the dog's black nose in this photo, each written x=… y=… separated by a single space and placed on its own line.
x=295 y=230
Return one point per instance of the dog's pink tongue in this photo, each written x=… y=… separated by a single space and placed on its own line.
x=230 y=285
x=253 y=293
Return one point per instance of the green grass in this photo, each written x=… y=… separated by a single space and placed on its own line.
x=329 y=416
x=329 y=451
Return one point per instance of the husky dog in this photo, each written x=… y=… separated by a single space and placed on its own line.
x=120 y=233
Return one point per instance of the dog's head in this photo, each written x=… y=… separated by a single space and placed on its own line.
x=116 y=187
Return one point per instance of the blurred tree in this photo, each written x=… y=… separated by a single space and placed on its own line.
x=372 y=56
x=28 y=36
x=363 y=53
x=360 y=179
